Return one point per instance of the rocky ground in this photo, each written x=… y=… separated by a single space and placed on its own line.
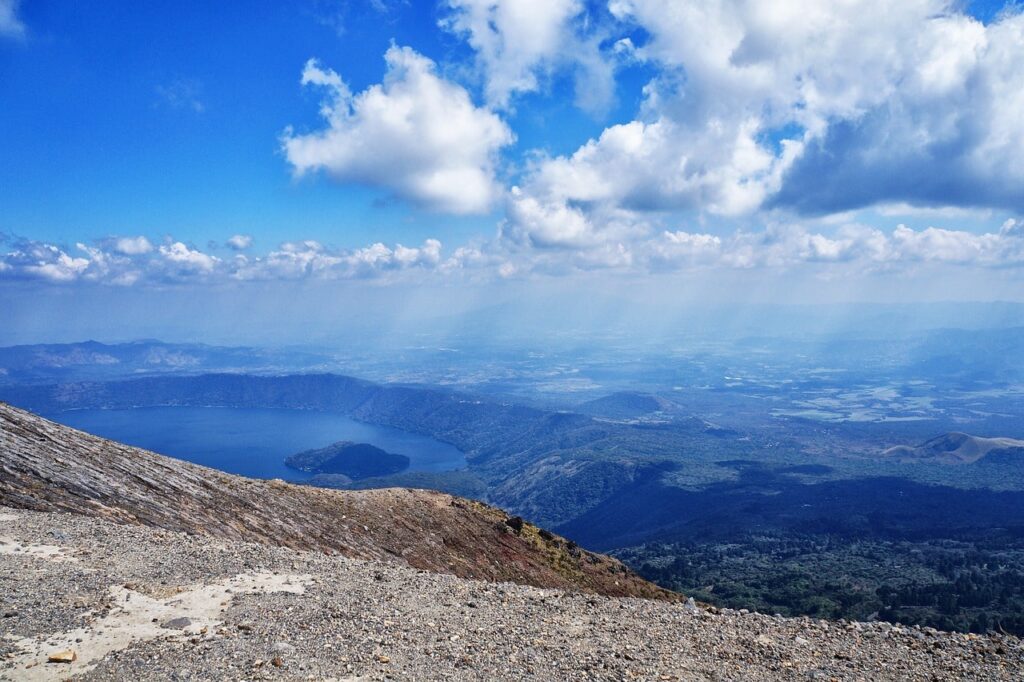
x=131 y=602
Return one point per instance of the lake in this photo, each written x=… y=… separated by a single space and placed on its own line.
x=253 y=442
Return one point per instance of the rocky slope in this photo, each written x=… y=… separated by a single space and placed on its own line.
x=109 y=601
x=48 y=467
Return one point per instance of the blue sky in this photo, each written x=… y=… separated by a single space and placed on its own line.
x=164 y=118
x=482 y=141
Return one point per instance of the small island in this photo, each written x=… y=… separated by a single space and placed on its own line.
x=352 y=460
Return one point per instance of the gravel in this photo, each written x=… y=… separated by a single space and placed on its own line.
x=168 y=606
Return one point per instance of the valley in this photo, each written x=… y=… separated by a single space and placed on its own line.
x=695 y=488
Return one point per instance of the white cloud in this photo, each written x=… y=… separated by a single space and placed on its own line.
x=62 y=268
x=933 y=212
x=240 y=242
x=813 y=108
x=1012 y=228
x=48 y=262
x=429 y=254
x=639 y=168
x=415 y=134
x=679 y=247
x=188 y=258
x=955 y=246
x=541 y=225
x=297 y=260
x=518 y=42
x=132 y=246
x=553 y=224
x=865 y=248
x=11 y=25
x=848 y=248
x=291 y=260
x=177 y=262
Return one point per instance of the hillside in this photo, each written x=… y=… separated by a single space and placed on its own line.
x=131 y=602
x=48 y=467
x=955 y=448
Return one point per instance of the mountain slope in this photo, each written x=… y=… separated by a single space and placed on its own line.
x=48 y=467
x=136 y=603
x=955 y=448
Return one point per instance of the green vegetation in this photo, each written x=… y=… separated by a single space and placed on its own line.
x=950 y=585
x=460 y=483
x=352 y=460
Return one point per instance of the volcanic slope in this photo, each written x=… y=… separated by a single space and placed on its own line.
x=129 y=602
x=45 y=466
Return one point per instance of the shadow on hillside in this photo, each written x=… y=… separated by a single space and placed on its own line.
x=764 y=499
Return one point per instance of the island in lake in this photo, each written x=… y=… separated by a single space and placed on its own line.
x=352 y=460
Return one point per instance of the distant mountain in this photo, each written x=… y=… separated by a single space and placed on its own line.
x=957 y=448
x=649 y=409
x=91 y=360
x=353 y=460
x=45 y=466
x=624 y=405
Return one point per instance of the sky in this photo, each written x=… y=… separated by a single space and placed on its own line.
x=245 y=154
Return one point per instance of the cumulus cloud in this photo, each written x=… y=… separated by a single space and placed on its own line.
x=298 y=260
x=172 y=262
x=518 y=42
x=782 y=246
x=29 y=259
x=947 y=136
x=864 y=247
x=132 y=246
x=848 y=248
x=11 y=25
x=188 y=258
x=811 y=108
x=240 y=242
x=553 y=224
x=415 y=134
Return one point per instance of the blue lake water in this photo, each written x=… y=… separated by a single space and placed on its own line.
x=253 y=442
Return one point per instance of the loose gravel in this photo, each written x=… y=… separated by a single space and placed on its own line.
x=129 y=602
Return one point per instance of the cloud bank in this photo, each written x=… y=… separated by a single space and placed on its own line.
x=850 y=248
x=127 y=261
x=803 y=108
